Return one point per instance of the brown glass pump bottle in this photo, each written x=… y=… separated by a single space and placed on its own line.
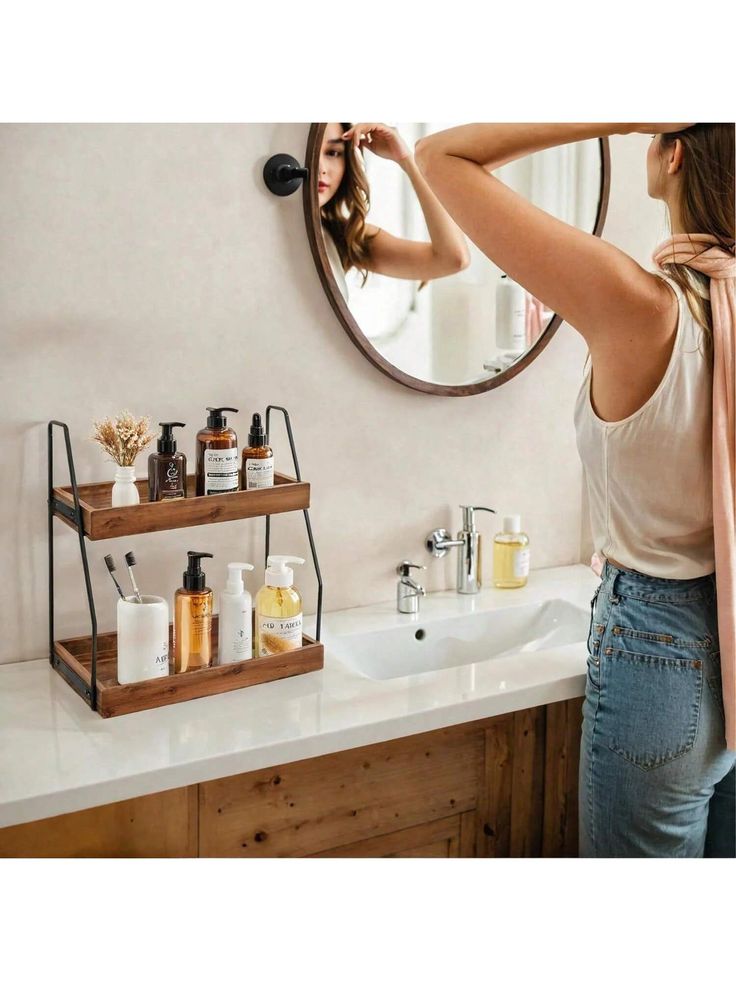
x=217 y=455
x=193 y=618
x=257 y=469
x=167 y=468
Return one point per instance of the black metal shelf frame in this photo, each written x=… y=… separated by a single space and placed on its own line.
x=74 y=515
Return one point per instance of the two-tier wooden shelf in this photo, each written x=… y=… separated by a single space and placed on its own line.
x=89 y=664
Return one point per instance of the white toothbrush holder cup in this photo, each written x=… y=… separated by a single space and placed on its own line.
x=143 y=639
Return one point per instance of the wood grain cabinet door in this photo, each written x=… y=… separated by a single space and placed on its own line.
x=330 y=802
x=160 y=825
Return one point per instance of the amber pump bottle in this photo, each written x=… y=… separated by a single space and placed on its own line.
x=167 y=468
x=193 y=618
x=217 y=455
x=257 y=470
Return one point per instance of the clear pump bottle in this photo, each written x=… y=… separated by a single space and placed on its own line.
x=278 y=609
x=193 y=618
x=510 y=555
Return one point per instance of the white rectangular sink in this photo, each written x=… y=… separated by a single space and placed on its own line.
x=418 y=647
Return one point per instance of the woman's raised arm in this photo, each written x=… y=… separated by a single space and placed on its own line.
x=598 y=289
x=445 y=253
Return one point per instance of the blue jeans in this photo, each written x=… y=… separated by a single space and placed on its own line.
x=656 y=779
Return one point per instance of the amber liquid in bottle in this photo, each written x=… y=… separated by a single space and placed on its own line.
x=256 y=470
x=256 y=476
x=192 y=630
x=222 y=476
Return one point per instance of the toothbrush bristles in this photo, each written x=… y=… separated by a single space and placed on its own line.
x=109 y=562
x=130 y=558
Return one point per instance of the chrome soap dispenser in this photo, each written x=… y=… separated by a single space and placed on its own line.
x=469 y=552
x=470 y=555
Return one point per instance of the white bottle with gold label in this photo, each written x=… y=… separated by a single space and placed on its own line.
x=510 y=555
x=278 y=609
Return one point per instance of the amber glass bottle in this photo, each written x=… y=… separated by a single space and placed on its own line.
x=217 y=455
x=257 y=469
x=193 y=619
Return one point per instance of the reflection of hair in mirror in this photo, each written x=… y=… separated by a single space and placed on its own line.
x=706 y=204
x=344 y=214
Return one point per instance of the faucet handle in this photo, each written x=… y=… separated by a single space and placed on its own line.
x=469 y=515
x=402 y=568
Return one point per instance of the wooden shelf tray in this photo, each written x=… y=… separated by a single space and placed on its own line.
x=101 y=520
x=115 y=699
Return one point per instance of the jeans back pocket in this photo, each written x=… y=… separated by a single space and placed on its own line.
x=653 y=705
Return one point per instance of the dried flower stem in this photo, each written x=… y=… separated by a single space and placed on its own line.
x=123 y=438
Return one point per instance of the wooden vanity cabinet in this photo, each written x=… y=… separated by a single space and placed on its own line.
x=500 y=787
x=162 y=825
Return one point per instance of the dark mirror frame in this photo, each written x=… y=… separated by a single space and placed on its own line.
x=319 y=253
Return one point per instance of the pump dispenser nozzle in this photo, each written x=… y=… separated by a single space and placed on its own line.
x=193 y=576
x=278 y=573
x=215 y=419
x=166 y=441
x=235 y=570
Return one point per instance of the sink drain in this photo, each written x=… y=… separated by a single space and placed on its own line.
x=419 y=635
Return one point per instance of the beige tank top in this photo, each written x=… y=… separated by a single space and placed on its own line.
x=649 y=476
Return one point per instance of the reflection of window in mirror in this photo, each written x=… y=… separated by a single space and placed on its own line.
x=430 y=302
x=383 y=305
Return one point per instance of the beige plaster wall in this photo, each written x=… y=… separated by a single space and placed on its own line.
x=146 y=267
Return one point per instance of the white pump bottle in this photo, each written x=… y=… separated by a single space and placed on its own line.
x=235 y=641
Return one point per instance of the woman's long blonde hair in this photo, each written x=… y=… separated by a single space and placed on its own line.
x=706 y=205
x=344 y=214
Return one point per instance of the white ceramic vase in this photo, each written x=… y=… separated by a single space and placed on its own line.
x=124 y=490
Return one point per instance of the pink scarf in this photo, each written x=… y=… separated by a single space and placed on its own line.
x=703 y=253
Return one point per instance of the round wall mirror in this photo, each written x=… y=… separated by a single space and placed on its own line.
x=463 y=328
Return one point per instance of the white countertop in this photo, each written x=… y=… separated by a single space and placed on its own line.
x=57 y=756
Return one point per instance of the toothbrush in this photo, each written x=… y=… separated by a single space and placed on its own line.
x=111 y=569
x=130 y=561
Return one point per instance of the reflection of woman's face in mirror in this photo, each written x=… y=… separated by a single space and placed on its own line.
x=331 y=163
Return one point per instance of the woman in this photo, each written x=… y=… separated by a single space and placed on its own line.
x=344 y=199
x=657 y=752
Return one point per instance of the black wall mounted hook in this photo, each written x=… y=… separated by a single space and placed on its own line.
x=283 y=174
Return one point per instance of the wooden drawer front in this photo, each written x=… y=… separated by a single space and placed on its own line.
x=322 y=804
x=437 y=839
x=452 y=837
x=156 y=826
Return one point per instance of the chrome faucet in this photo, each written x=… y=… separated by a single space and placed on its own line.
x=408 y=591
x=468 y=545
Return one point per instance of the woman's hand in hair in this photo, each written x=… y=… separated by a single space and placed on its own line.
x=381 y=139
